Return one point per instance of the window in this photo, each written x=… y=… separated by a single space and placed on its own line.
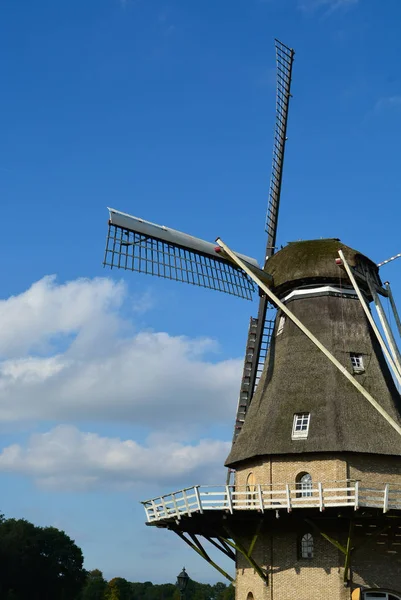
x=307 y=546
x=250 y=489
x=304 y=485
x=281 y=324
x=249 y=596
x=300 y=426
x=357 y=362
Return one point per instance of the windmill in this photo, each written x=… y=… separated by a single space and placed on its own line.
x=317 y=440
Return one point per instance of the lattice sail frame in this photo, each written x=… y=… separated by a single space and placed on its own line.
x=137 y=245
x=284 y=59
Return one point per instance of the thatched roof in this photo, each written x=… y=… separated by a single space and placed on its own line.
x=299 y=378
x=313 y=260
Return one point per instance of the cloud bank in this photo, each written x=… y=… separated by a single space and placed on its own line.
x=106 y=370
x=68 y=459
x=70 y=354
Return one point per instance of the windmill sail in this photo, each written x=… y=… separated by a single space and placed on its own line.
x=137 y=245
x=285 y=59
x=260 y=332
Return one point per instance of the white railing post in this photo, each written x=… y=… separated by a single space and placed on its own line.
x=229 y=499
x=146 y=511
x=164 y=506
x=356 y=501
x=385 y=503
x=288 y=494
x=320 y=488
x=177 y=510
x=197 y=494
x=184 y=495
x=260 y=495
x=155 y=512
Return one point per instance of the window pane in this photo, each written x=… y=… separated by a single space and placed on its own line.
x=301 y=425
x=306 y=485
x=307 y=546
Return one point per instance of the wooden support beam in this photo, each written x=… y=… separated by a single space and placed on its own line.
x=255 y=537
x=222 y=546
x=237 y=545
x=393 y=306
x=331 y=540
x=386 y=327
x=199 y=549
x=348 y=551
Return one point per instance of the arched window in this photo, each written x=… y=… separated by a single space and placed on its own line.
x=304 y=485
x=250 y=489
x=249 y=596
x=306 y=546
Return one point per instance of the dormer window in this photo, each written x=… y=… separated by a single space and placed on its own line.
x=357 y=362
x=300 y=427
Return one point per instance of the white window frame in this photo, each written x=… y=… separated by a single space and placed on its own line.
x=300 y=426
x=305 y=486
x=357 y=362
x=307 y=546
x=280 y=326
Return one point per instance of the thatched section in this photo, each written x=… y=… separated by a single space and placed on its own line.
x=299 y=378
x=313 y=260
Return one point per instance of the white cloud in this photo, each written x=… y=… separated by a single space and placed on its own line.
x=105 y=371
x=28 y=321
x=68 y=459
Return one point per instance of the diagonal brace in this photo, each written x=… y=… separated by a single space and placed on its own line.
x=331 y=540
x=222 y=546
x=237 y=545
x=349 y=549
x=197 y=546
x=255 y=537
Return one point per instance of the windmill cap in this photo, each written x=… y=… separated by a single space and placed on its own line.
x=312 y=261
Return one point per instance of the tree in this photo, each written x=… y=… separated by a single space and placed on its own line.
x=118 y=589
x=39 y=563
x=95 y=586
x=229 y=593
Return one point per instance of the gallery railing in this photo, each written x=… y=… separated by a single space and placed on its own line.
x=230 y=498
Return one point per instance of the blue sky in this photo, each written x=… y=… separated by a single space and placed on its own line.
x=116 y=387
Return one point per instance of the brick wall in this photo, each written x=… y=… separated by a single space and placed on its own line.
x=278 y=470
x=376 y=562
x=292 y=578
